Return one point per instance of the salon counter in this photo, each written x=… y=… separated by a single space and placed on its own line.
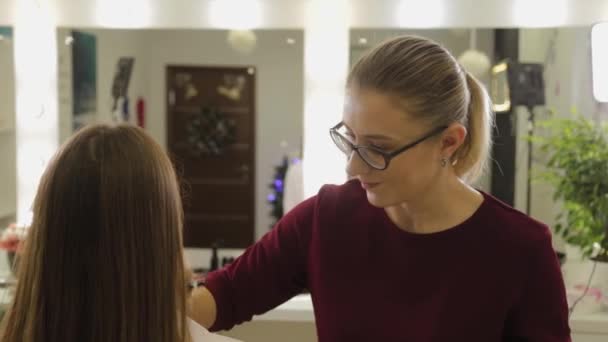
x=297 y=309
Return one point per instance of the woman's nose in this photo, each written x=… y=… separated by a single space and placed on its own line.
x=355 y=165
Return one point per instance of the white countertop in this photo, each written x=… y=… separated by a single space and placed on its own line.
x=299 y=309
x=590 y=323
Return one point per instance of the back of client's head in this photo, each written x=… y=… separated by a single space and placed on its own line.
x=103 y=259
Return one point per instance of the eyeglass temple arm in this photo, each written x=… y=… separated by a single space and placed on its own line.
x=434 y=132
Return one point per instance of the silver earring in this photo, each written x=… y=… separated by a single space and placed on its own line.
x=444 y=162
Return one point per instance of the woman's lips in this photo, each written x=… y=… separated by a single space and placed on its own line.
x=369 y=185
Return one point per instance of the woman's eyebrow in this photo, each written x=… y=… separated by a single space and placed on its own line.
x=371 y=136
x=377 y=137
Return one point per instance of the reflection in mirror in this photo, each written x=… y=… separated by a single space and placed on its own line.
x=227 y=105
x=8 y=169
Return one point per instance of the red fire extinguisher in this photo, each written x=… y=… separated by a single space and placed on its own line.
x=141 y=112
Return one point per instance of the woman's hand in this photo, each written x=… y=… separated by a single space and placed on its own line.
x=202 y=307
x=200 y=302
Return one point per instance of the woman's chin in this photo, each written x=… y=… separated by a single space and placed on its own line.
x=376 y=200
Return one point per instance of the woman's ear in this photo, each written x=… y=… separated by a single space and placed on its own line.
x=452 y=138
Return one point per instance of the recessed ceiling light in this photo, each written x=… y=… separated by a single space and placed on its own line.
x=68 y=40
x=362 y=40
x=291 y=41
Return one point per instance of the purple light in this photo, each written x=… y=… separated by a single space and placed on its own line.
x=278 y=183
x=272 y=198
x=296 y=161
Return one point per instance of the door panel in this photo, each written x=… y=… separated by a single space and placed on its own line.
x=211 y=139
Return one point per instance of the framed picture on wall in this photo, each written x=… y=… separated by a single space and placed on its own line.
x=84 y=77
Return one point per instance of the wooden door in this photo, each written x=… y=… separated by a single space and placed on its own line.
x=211 y=139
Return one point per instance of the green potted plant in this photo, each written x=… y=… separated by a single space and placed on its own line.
x=575 y=151
x=577 y=166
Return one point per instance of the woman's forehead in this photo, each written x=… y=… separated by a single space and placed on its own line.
x=371 y=112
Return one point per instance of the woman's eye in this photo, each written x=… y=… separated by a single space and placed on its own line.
x=379 y=147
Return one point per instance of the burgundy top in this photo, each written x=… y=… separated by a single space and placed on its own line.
x=494 y=277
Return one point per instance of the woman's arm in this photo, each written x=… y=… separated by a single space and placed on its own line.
x=269 y=273
x=202 y=307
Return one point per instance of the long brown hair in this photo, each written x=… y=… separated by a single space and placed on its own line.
x=103 y=260
x=433 y=86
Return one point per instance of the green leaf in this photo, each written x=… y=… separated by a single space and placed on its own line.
x=575 y=155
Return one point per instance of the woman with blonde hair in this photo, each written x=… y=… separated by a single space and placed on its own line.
x=103 y=260
x=407 y=250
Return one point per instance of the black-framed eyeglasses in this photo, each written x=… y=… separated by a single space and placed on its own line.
x=372 y=156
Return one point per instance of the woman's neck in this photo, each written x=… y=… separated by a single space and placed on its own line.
x=442 y=207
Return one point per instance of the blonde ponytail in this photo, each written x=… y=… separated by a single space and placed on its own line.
x=472 y=158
